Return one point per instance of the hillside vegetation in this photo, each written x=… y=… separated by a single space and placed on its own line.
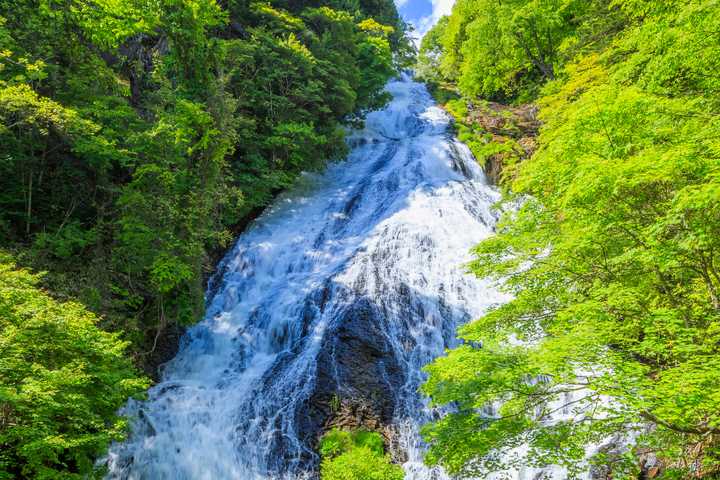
x=136 y=138
x=613 y=256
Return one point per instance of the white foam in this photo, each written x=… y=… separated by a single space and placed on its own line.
x=393 y=223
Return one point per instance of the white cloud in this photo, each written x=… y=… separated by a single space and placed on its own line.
x=440 y=8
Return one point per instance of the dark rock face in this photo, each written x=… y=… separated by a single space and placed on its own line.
x=514 y=127
x=650 y=466
x=357 y=379
x=162 y=350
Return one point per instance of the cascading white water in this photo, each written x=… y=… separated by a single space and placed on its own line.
x=390 y=229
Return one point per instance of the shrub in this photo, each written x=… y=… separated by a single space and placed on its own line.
x=358 y=455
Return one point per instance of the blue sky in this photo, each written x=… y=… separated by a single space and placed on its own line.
x=423 y=13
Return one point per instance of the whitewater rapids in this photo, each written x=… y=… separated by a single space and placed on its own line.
x=391 y=228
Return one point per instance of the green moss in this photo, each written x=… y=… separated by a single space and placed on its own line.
x=356 y=455
x=370 y=440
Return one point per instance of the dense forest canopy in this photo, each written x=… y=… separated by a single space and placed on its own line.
x=613 y=255
x=136 y=138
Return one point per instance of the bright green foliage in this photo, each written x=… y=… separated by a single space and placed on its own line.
x=613 y=262
x=62 y=380
x=506 y=50
x=358 y=455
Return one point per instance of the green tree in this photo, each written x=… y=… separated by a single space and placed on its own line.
x=432 y=52
x=612 y=260
x=507 y=50
x=62 y=380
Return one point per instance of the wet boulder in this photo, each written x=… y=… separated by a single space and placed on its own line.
x=357 y=378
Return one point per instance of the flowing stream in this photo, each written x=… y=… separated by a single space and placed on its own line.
x=349 y=283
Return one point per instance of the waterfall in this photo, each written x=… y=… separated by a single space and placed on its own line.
x=344 y=288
